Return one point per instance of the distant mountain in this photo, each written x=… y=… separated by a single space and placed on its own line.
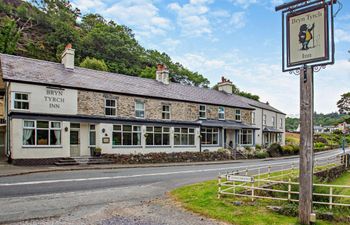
x=319 y=120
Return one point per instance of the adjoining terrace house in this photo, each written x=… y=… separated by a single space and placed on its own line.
x=54 y=111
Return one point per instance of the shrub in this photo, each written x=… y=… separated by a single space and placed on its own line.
x=275 y=150
x=261 y=154
x=258 y=147
x=288 y=150
x=296 y=149
x=319 y=145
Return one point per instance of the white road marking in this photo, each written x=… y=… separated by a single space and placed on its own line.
x=150 y=174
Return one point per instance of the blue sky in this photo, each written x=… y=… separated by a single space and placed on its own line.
x=238 y=39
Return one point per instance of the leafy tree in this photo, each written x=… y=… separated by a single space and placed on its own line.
x=237 y=91
x=149 y=72
x=95 y=64
x=9 y=36
x=344 y=103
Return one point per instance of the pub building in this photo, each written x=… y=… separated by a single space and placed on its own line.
x=56 y=110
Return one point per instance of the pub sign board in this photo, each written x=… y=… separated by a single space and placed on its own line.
x=307 y=36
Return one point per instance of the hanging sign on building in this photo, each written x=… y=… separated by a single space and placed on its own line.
x=307 y=36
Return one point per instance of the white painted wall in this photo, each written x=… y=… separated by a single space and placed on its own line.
x=42 y=99
x=20 y=152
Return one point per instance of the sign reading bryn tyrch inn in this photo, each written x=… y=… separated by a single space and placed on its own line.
x=307 y=36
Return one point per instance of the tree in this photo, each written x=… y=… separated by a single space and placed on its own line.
x=237 y=91
x=94 y=64
x=344 y=103
x=9 y=36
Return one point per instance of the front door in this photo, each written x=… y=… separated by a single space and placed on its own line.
x=75 y=140
x=2 y=145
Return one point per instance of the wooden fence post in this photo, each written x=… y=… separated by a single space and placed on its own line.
x=289 y=189
x=219 y=186
x=330 y=197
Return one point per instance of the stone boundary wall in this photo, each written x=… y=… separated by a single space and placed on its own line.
x=174 y=157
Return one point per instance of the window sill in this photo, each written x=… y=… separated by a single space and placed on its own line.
x=158 y=146
x=126 y=146
x=42 y=146
x=185 y=146
x=204 y=145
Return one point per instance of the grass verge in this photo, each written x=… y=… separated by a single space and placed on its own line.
x=202 y=198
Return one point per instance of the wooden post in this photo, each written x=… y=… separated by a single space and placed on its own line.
x=219 y=186
x=306 y=144
x=330 y=197
x=289 y=189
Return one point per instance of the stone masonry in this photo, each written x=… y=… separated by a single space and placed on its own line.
x=92 y=103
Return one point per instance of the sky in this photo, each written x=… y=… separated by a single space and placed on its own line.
x=238 y=39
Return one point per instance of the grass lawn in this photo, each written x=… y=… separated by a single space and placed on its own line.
x=202 y=198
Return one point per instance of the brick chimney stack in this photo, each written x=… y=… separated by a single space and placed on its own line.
x=162 y=74
x=225 y=85
x=67 y=57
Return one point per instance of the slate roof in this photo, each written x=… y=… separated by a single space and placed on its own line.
x=21 y=69
x=226 y=124
x=259 y=104
x=272 y=130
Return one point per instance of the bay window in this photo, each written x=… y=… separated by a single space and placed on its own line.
x=184 y=136
x=41 y=133
x=158 y=136
x=126 y=135
x=210 y=136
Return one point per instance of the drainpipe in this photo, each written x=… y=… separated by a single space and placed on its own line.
x=7 y=140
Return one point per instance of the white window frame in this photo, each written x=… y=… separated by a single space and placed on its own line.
x=222 y=112
x=204 y=132
x=253 y=118
x=13 y=96
x=143 y=109
x=264 y=119
x=92 y=130
x=166 y=112
x=132 y=132
x=111 y=107
x=281 y=123
x=239 y=115
x=248 y=132
x=273 y=119
x=190 y=131
x=202 y=111
x=49 y=129
x=162 y=134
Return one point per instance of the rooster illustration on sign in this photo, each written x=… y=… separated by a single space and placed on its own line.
x=305 y=35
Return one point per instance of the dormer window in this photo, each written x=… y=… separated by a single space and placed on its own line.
x=221 y=113
x=20 y=101
x=202 y=112
x=238 y=115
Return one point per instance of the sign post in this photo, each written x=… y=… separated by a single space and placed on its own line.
x=306 y=144
x=307 y=46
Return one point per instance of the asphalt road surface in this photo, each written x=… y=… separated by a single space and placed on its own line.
x=111 y=196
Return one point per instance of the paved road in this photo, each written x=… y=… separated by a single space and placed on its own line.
x=75 y=195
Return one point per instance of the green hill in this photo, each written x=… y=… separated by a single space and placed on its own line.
x=42 y=28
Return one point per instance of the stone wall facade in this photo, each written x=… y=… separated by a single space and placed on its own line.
x=92 y=103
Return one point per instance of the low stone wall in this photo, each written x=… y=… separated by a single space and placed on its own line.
x=34 y=162
x=168 y=157
x=331 y=174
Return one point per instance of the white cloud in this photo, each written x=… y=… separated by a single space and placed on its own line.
x=142 y=15
x=341 y=35
x=170 y=44
x=268 y=81
x=276 y=2
x=238 y=20
x=87 y=5
x=244 y=3
x=192 y=17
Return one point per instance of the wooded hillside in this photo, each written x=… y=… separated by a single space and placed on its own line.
x=42 y=28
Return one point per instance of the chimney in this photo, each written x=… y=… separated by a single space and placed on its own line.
x=162 y=74
x=225 y=85
x=68 y=57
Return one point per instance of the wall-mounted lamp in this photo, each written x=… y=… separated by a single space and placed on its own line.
x=103 y=130
x=66 y=129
